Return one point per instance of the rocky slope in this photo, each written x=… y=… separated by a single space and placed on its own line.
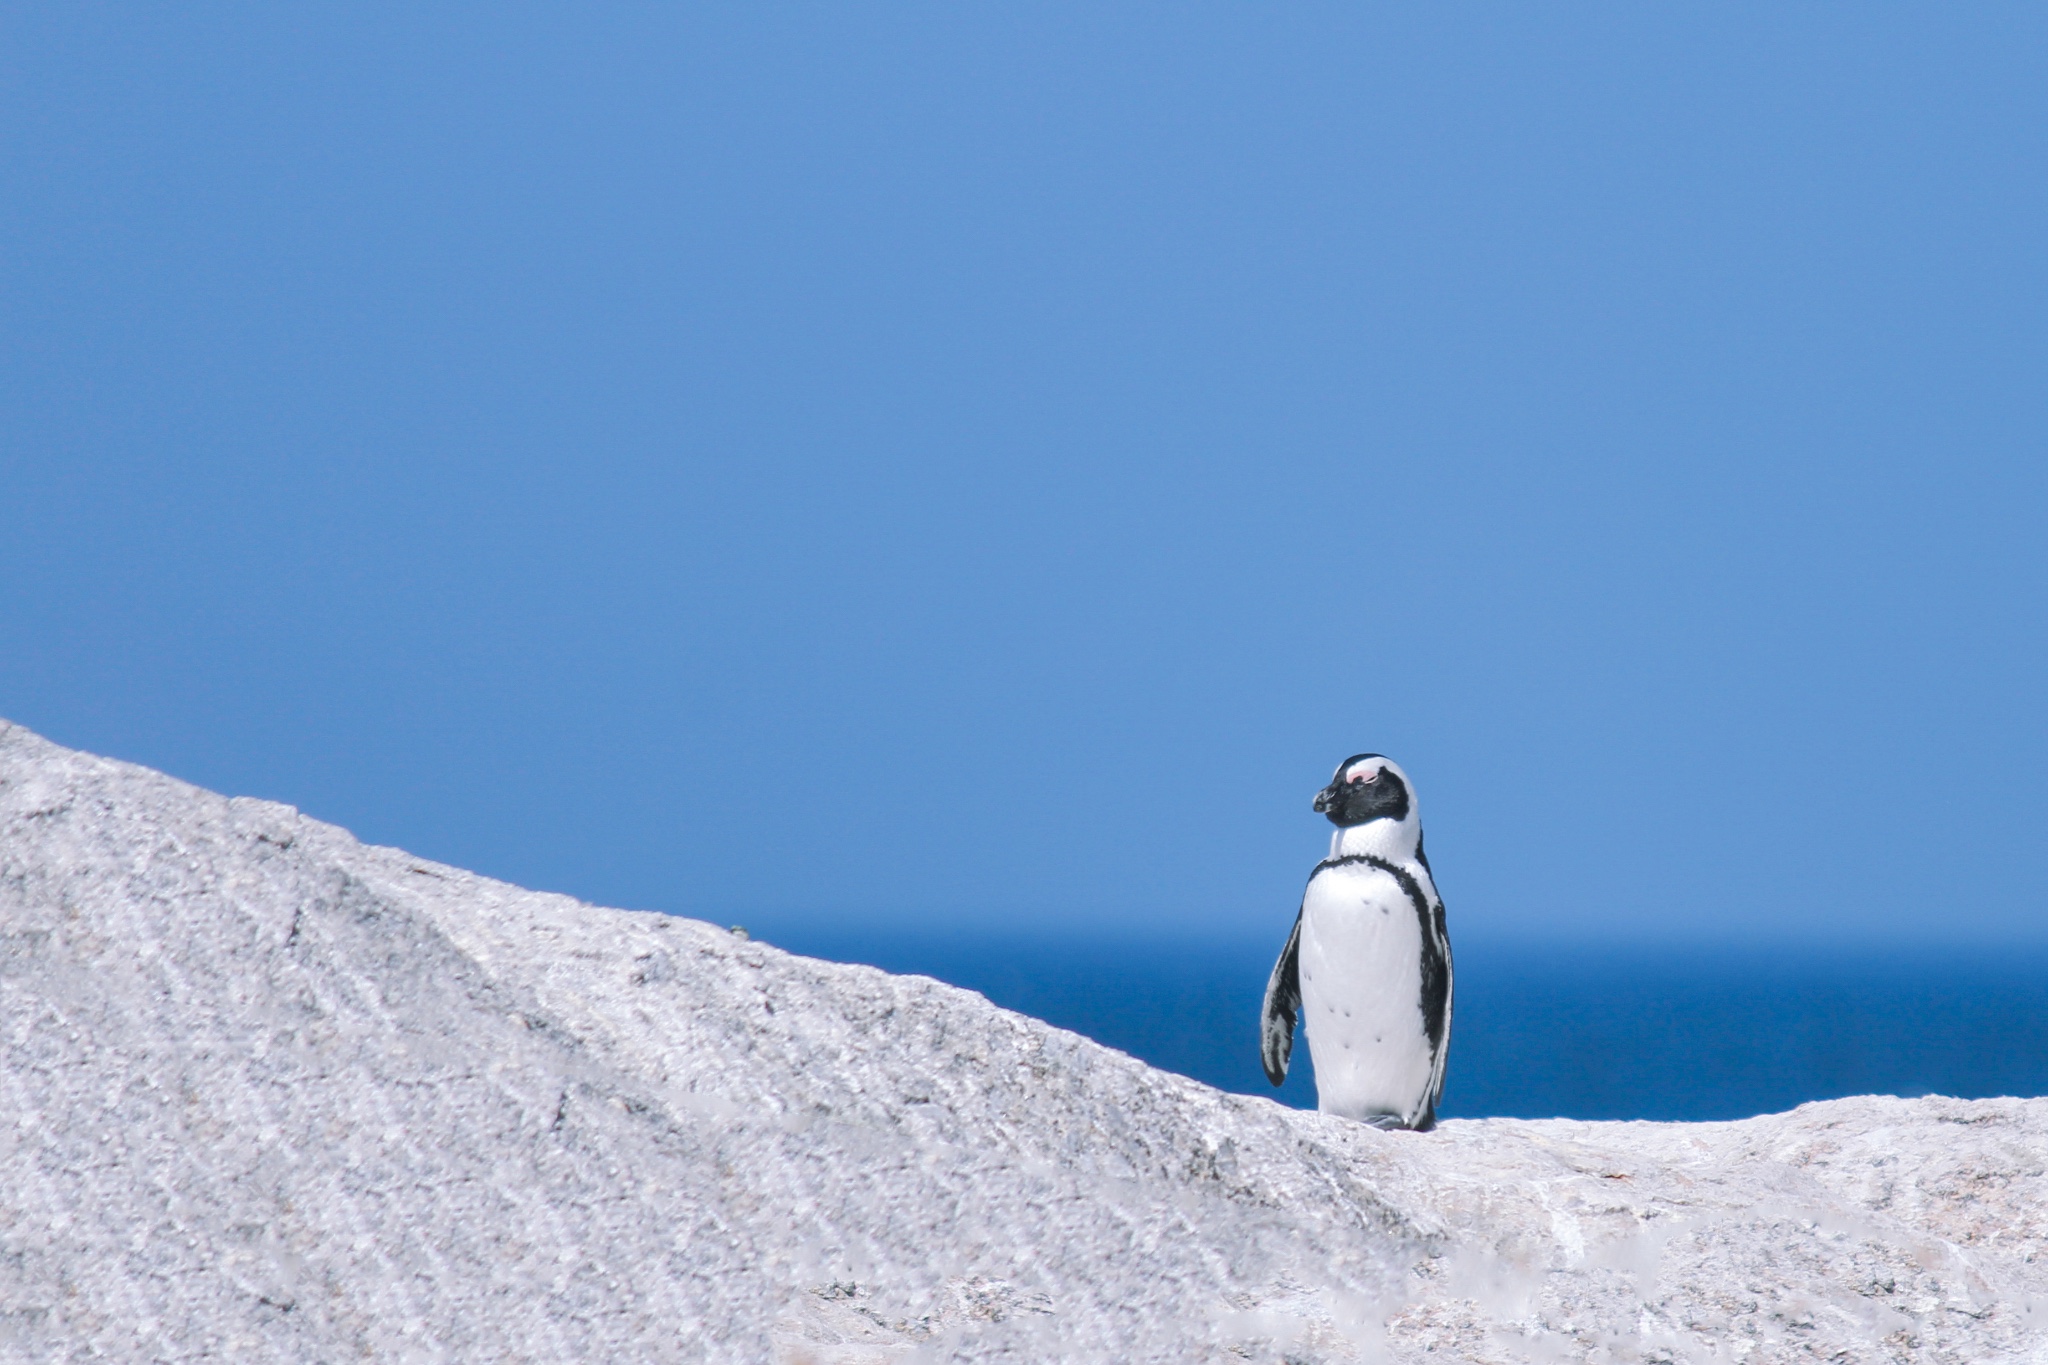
x=270 y=1094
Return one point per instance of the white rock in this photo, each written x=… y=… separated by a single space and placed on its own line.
x=272 y=1095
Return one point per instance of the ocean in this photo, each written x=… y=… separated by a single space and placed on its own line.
x=1552 y=1031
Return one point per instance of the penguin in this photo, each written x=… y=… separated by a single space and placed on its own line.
x=1368 y=966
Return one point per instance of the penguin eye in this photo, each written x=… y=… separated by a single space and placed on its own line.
x=1372 y=776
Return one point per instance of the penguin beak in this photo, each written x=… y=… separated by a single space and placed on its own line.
x=1323 y=799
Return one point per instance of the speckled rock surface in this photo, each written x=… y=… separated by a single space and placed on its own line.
x=271 y=1094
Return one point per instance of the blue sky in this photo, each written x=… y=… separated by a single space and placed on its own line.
x=983 y=465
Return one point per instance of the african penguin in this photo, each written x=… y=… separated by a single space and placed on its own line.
x=1368 y=966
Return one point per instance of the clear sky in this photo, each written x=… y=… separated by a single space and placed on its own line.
x=984 y=464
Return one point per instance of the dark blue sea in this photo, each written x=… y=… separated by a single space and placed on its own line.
x=1579 y=1032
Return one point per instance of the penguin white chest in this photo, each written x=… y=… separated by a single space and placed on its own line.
x=1361 y=994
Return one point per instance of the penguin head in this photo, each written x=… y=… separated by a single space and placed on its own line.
x=1367 y=787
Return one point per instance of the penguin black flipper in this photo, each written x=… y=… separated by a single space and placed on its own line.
x=1283 y=1006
